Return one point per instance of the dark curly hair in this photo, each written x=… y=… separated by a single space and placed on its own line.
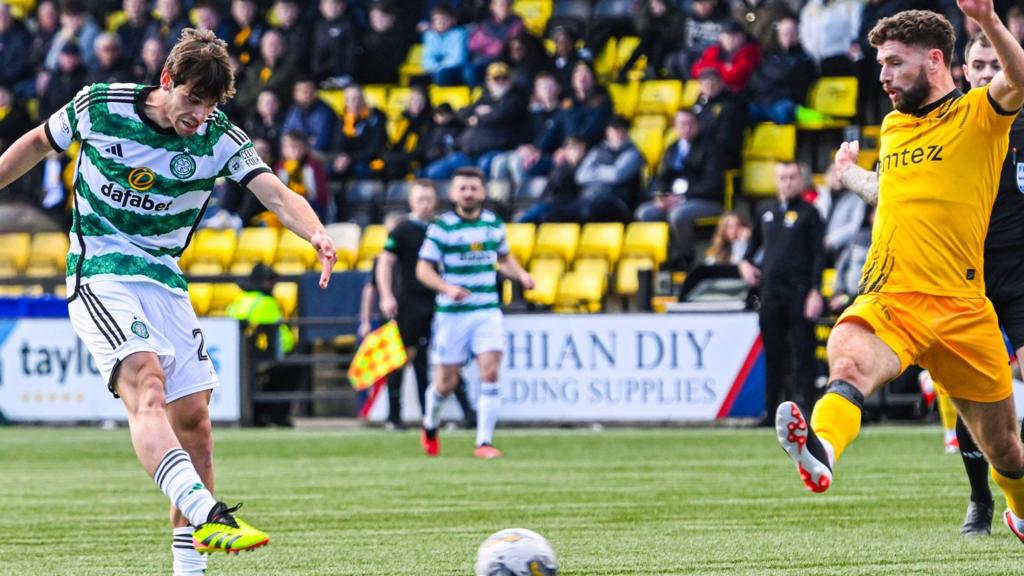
x=201 y=59
x=922 y=28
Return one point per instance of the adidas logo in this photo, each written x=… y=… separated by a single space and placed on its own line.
x=114 y=150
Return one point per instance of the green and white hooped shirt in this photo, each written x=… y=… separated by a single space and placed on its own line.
x=140 y=190
x=468 y=252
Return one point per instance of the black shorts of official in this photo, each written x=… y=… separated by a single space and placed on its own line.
x=1004 y=286
x=414 y=323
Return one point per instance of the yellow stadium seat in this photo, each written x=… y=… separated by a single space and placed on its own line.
x=257 y=245
x=647 y=239
x=287 y=295
x=535 y=14
x=241 y=268
x=14 y=249
x=520 y=237
x=759 y=178
x=770 y=141
x=113 y=20
x=660 y=97
x=557 y=241
x=456 y=96
x=623 y=50
x=546 y=266
x=651 y=122
x=370 y=244
x=604 y=64
x=214 y=245
x=376 y=95
x=223 y=295
x=601 y=240
x=870 y=136
x=625 y=98
x=691 y=93
x=290 y=268
x=291 y=247
x=49 y=249
x=206 y=268
x=200 y=294
x=650 y=141
x=828 y=280
x=413 y=65
x=345 y=236
x=398 y=100
x=335 y=98
x=42 y=270
x=834 y=96
x=591 y=265
x=545 y=288
x=626 y=282
x=7 y=269
x=580 y=292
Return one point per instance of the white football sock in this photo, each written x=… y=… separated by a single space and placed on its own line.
x=178 y=479
x=487 y=408
x=432 y=414
x=187 y=562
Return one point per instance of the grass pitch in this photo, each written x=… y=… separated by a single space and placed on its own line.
x=648 y=502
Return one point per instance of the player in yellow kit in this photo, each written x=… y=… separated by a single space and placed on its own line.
x=922 y=291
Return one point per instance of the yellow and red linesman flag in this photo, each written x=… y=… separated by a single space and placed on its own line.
x=380 y=353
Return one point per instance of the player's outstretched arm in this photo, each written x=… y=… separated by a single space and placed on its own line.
x=25 y=153
x=863 y=183
x=427 y=274
x=1007 y=87
x=295 y=213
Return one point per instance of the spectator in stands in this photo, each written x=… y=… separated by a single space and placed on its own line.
x=705 y=21
x=525 y=57
x=44 y=31
x=132 y=32
x=845 y=218
x=274 y=71
x=734 y=56
x=442 y=138
x=489 y=37
x=295 y=33
x=147 y=69
x=789 y=277
x=76 y=27
x=530 y=159
x=610 y=176
x=361 y=140
x=722 y=117
x=688 y=186
x=781 y=82
x=382 y=48
x=245 y=43
x=111 y=66
x=208 y=17
x=729 y=243
x=566 y=55
x=334 y=44
x=267 y=120
x=850 y=264
x=445 y=54
x=311 y=116
x=759 y=17
x=659 y=25
x=404 y=156
x=14 y=119
x=60 y=87
x=829 y=31
x=494 y=124
x=171 y=20
x=303 y=173
x=585 y=111
x=560 y=200
x=15 y=44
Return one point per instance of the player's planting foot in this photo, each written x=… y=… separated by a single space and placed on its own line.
x=952 y=445
x=486 y=451
x=803 y=446
x=978 y=521
x=223 y=532
x=430 y=441
x=1015 y=524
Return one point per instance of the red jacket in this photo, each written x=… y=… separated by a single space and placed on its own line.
x=736 y=73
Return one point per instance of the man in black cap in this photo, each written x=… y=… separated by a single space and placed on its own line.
x=59 y=87
x=722 y=116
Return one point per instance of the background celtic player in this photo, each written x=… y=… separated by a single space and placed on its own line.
x=149 y=158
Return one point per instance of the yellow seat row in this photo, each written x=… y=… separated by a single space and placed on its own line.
x=214 y=299
x=35 y=255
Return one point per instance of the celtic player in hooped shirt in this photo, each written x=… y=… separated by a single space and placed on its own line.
x=149 y=157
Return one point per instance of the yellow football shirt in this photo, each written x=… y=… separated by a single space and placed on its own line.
x=938 y=172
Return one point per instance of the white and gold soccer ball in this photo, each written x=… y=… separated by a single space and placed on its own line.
x=516 y=552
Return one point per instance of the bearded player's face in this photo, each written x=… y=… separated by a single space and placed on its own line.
x=904 y=74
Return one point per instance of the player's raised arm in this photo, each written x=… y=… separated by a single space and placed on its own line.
x=863 y=183
x=1007 y=87
x=25 y=153
x=296 y=215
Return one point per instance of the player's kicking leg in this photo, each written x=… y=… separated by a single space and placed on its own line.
x=859 y=362
x=488 y=405
x=140 y=383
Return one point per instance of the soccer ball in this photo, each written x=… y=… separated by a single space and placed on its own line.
x=516 y=552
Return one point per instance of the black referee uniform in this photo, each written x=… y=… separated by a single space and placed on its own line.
x=415 y=317
x=792 y=235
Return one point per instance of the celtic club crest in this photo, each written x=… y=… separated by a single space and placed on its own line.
x=183 y=166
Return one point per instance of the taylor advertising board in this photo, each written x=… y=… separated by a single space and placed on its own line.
x=48 y=375
x=622 y=367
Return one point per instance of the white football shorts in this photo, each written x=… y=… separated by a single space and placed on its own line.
x=456 y=335
x=118 y=319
